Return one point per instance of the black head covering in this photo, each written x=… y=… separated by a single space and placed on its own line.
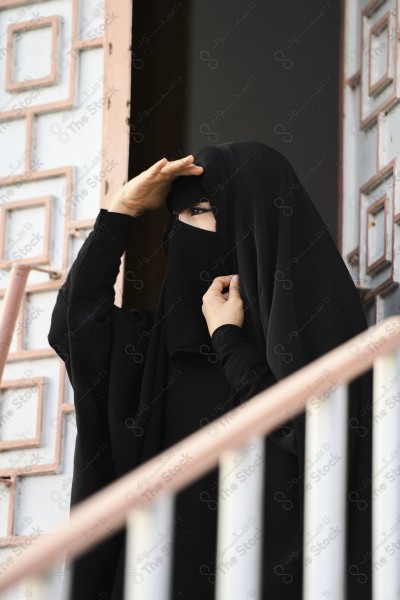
x=299 y=298
x=289 y=265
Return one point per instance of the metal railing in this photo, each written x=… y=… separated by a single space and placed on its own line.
x=143 y=498
x=14 y=294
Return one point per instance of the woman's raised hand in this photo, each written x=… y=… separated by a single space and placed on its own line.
x=149 y=189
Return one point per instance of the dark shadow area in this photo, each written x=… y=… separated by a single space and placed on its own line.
x=207 y=73
x=157 y=122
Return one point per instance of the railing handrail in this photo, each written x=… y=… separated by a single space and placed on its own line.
x=106 y=511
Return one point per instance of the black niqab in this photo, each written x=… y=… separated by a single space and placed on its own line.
x=195 y=257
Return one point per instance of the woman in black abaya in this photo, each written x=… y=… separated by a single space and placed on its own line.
x=204 y=351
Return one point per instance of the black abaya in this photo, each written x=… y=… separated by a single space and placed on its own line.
x=104 y=356
x=117 y=363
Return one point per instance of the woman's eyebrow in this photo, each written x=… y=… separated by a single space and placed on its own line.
x=191 y=206
x=198 y=202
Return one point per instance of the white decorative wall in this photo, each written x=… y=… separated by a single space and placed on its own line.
x=370 y=203
x=59 y=103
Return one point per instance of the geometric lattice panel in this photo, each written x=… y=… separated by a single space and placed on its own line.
x=25 y=231
x=378 y=81
x=376 y=231
x=21 y=409
x=370 y=194
x=32 y=60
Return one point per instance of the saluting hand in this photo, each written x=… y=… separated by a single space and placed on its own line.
x=222 y=309
x=149 y=189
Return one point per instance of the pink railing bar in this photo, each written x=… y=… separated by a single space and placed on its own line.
x=11 y=305
x=105 y=512
x=13 y=296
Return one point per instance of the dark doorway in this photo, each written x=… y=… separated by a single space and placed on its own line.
x=211 y=72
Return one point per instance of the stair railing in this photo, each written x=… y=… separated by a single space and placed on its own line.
x=143 y=499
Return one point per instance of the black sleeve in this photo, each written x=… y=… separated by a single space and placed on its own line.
x=244 y=366
x=90 y=334
x=248 y=372
x=89 y=286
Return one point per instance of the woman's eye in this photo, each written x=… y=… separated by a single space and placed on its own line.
x=200 y=208
x=193 y=210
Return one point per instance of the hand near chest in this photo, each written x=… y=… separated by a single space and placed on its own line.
x=223 y=308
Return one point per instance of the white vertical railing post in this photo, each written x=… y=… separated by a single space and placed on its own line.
x=149 y=551
x=325 y=495
x=386 y=477
x=239 y=539
x=37 y=587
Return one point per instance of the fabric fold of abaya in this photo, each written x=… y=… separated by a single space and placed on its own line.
x=300 y=302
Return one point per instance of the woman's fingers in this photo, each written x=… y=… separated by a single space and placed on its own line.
x=182 y=166
x=173 y=165
x=220 y=282
x=154 y=169
x=192 y=170
x=218 y=285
